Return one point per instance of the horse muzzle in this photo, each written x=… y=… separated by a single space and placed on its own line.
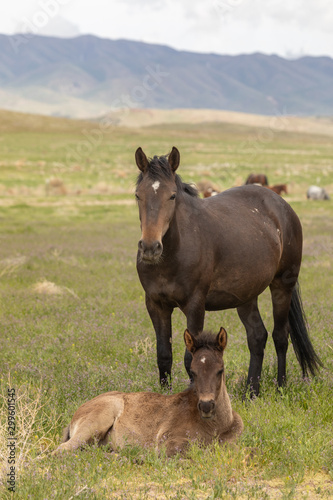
x=207 y=408
x=150 y=253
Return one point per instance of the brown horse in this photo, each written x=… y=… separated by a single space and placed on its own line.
x=210 y=192
x=257 y=179
x=202 y=412
x=278 y=188
x=219 y=253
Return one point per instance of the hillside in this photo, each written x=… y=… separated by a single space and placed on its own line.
x=13 y=121
x=86 y=76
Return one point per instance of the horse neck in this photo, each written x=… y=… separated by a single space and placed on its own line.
x=223 y=406
x=179 y=220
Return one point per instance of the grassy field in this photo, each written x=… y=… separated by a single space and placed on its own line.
x=74 y=324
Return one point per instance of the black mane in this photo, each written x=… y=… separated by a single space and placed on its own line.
x=159 y=169
x=205 y=340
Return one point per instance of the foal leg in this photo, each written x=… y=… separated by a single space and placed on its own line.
x=93 y=421
x=160 y=316
x=281 y=298
x=256 y=340
x=83 y=435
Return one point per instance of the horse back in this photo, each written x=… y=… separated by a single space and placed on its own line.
x=253 y=207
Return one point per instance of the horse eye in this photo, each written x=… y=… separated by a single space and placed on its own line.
x=173 y=197
x=136 y=196
x=192 y=375
x=219 y=373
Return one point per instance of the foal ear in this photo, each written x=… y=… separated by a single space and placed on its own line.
x=141 y=159
x=174 y=159
x=221 y=339
x=189 y=341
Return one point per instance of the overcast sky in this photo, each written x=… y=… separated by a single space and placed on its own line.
x=288 y=28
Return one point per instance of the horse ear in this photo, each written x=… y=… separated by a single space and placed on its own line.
x=174 y=159
x=141 y=159
x=221 y=339
x=189 y=341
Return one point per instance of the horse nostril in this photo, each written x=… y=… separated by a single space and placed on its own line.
x=157 y=248
x=141 y=245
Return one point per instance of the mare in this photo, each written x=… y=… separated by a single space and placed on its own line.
x=279 y=188
x=219 y=253
x=202 y=412
x=257 y=179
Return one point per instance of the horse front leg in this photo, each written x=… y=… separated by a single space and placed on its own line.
x=256 y=340
x=160 y=315
x=195 y=316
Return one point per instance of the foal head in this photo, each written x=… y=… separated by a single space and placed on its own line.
x=207 y=368
x=156 y=194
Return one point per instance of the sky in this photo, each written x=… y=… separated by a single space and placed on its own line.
x=287 y=28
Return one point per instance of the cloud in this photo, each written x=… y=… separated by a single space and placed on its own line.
x=45 y=17
x=220 y=26
x=59 y=26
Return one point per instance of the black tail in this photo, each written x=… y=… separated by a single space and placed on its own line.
x=305 y=353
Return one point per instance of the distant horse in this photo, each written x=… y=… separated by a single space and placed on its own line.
x=202 y=412
x=219 y=253
x=207 y=189
x=210 y=192
x=257 y=179
x=278 y=188
x=317 y=193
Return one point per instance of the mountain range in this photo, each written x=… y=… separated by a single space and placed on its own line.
x=87 y=76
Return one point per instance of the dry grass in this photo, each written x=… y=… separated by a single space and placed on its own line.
x=314 y=486
x=32 y=438
x=45 y=287
x=149 y=117
x=11 y=264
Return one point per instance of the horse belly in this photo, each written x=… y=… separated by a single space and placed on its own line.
x=217 y=300
x=139 y=423
x=233 y=288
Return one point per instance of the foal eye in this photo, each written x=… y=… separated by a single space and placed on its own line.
x=173 y=197
x=136 y=196
x=220 y=372
x=192 y=375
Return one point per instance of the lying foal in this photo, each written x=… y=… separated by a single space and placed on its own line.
x=203 y=411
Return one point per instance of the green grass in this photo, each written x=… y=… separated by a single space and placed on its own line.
x=58 y=350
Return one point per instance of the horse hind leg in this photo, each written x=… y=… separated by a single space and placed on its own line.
x=281 y=298
x=75 y=439
x=256 y=338
x=92 y=422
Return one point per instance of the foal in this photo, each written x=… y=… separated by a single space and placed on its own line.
x=202 y=412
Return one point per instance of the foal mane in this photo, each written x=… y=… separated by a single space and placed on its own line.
x=158 y=169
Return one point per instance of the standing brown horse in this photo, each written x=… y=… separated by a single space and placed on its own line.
x=257 y=179
x=203 y=411
x=219 y=253
x=278 y=188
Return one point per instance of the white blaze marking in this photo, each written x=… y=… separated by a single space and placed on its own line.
x=155 y=186
x=203 y=360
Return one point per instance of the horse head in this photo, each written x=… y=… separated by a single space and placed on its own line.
x=207 y=368
x=156 y=194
